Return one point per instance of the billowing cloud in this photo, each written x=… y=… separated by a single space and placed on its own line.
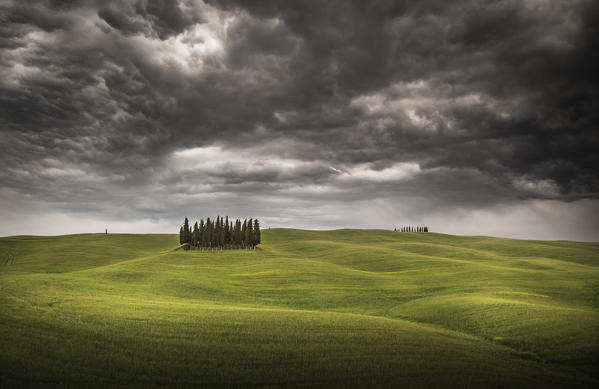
x=308 y=114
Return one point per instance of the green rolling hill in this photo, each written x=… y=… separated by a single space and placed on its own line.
x=345 y=308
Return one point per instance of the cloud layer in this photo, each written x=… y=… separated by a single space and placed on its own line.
x=307 y=114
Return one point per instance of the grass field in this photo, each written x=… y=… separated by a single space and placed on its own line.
x=345 y=308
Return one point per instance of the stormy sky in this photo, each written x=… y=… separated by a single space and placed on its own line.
x=470 y=117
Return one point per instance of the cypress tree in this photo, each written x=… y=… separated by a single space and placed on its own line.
x=244 y=231
x=238 y=235
x=215 y=221
x=227 y=232
x=186 y=232
x=202 y=234
x=218 y=232
x=221 y=234
x=195 y=235
x=256 y=232
x=208 y=232
x=181 y=235
x=212 y=233
x=251 y=233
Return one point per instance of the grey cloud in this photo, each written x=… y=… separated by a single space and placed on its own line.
x=496 y=102
x=161 y=18
x=22 y=16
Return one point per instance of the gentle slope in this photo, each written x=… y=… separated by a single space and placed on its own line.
x=321 y=308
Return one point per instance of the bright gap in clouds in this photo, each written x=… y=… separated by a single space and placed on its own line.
x=215 y=160
x=535 y=219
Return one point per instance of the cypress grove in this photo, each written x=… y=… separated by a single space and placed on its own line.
x=220 y=234
x=412 y=229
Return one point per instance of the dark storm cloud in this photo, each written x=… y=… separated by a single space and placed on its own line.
x=532 y=63
x=466 y=104
x=162 y=18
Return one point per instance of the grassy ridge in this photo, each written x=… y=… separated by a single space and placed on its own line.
x=336 y=308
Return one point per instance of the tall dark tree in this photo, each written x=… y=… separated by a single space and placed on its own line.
x=239 y=236
x=227 y=234
x=202 y=234
x=186 y=232
x=250 y=233
x=256 y=232
x=244 y=233
x=221 y=233
x=208 y=232
x=195 y=235
x=217 y=232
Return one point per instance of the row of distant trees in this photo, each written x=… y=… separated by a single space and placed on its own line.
x=411 y=229
x=221 y=234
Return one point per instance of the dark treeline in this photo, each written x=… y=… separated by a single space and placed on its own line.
x=221 y=234
x=411 y=229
